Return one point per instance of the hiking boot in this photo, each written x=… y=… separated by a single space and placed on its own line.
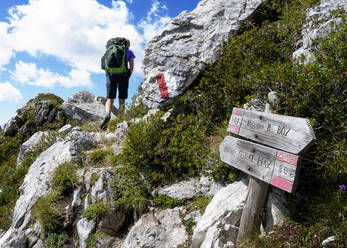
x=105 y=121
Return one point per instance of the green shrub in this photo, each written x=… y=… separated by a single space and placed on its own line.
x=95 y=177
x=97 y=211
x=93 y=238
x=136 y=110
x=54 y=100
x=91 y=126
x=54 y=240
x=65 y=178
x=200 y=203
x=11 y=177
x=165 y=201
x=43 y=210
x=98 y=157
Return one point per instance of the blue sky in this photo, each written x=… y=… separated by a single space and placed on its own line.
x=55 y=46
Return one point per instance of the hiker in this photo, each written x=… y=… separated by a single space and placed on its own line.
x=118 y=63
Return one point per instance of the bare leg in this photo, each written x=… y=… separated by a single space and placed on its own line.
x=109 y=103
x=121 y=106
x=107 y=118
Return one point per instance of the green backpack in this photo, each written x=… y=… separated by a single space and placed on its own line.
x=114 y=59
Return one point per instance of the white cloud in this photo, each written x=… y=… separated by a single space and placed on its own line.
x=75 y=32
x=155 y=21
x=9 y=93
x=28 y=73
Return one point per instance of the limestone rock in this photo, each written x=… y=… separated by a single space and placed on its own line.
x=13 y=239
x=190 y=189
x=28 y=146
x=84 y=228
x=183 y=190
x=111 y=223
x=224 y=209
x=195 y=216
x=328 y=241
x=65 y=129
x=101 y=190
x=39 y=244
x=33 y=234
x=38 y=179
x=317 y=27
x=38 y=112
x=276 y=210
x=121 y=130
x=162 y=229
x=173 y=57
x=76 y=200
x=84 y=106
x=220 y=236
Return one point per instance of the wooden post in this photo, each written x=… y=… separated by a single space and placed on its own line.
x=252 y=212
x=271 y=159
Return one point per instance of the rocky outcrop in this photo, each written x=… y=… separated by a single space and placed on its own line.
x=218 y=225
x=318 y=26
x=84 y=228
x=190 y=189
x=38 y=180
x=159 y=229
x=84 y=106
x=173 y=57
x=37 y=114
x=276 y=209
x=97 y=189
x=30 y=145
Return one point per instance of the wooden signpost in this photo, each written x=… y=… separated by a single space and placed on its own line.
x=267 y=164
x=273 y=159
x=287 y=133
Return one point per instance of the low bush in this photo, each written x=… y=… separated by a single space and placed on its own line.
x=65 y=178
x=165 y=201
x=93 y=239
x=12 y=177
x=54 y=240
x=99 y=157
x=97 y=211
x=49 y=217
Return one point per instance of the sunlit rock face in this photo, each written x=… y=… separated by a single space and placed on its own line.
x=319 y=23
x=192 y=39
x=37 y=182
x=84 y=106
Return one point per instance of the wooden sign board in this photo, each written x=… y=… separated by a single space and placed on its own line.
x=292 y=134
x=267 y=164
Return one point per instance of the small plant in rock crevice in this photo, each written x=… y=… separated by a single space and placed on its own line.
x=97 y=211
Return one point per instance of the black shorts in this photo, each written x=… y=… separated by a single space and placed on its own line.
x=114 y=82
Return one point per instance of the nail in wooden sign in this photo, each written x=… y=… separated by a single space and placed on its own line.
x=273 y=166
x=287 y=133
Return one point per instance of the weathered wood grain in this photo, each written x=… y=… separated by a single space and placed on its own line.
x=287 y=133
x=252 y=212
x=265 y=163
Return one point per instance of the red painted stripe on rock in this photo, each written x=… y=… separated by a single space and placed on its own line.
x=162 y=86
x=282 y=184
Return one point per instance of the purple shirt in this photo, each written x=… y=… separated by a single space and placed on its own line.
x=129 y=55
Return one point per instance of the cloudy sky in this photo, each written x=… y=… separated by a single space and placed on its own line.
x=55 y=46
